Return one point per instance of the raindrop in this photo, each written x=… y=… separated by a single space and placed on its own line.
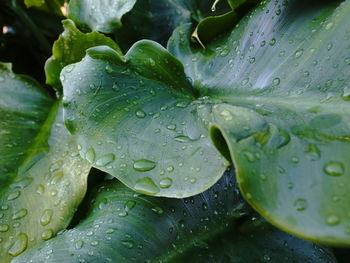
x=129 y=205
x=105 y=159
x=333 y=220
x=158 y=210
x=300 y=204
x=46 y=234
x=140 y=114
x=13 y=195
x=4 y=228
x=227 y=116
x=276 y=81
x=143 y=165
x=334 y=168
x=171 y=127
x=20 y=214
x=46 y=217
x=19 y=245
x=146 y=186
x=79 y=244
x=165 y=182
x=90 y=155
x=128 y=243
x=152 y=62
x=298 y=53
x=170 y=168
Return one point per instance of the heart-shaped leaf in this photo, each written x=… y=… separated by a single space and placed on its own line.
x=42 y=177
x=123 y=227
x=274 y=95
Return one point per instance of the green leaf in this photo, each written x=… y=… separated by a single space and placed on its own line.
x=103 y=15
x=42 y=177
x=70 y=48
x=123 y=227
x=274 y=96
x=282 y=78
x=127 y=115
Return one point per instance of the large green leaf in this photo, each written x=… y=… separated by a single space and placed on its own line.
x=273 y=93
x=70 y=48
x=282 y=78
x=126 y=122
x=42 y=177
x=123 y=227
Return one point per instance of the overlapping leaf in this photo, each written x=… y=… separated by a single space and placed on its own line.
x=124 y=227
x=273 y=93
x=42 y=177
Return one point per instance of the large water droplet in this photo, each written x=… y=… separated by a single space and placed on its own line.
x=46 y=217
x=333 y=220
x=19 y=245
x=105 y=159
x=4 y=228
x=46 y=234
x=20 y=214
x=165 y=182
x=334 y=168
x=143 y=165
x=146 y=186
x=90 y=155
x=13 y=195
x=300 y=204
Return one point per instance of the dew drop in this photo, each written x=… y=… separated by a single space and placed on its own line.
x=143 y=165
x=128 y=243
x=329 y=26
x=146 y=186
x=140 y=114
x=158 y=210
x=90 y=155
x=300 y=204
x=46 y=217
x=182 y=138
x=79 y=244
x=152 y=62
x=46 y=234
x=227 y=116
x=20 y=214
x=298 y=53
x=105 y=159
x=170 y=168
x=276 y=81
x=19 y=245
x=129 y=205
x=171 y=127
x=165 y=182
x=13 y=195
x=4 y=228
x=333 y=220
x=334 y=168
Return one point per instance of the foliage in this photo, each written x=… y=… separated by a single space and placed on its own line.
x=195 y=121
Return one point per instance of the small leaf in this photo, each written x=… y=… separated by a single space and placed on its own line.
x=39 y=165
x=70 y=48
x=123 y=227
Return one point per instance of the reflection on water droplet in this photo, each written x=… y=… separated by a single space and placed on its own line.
x=90 y=155
x=20 y=214
x=140 y=114
x=146 y=186
x=143 y=165
x=105 y=159
x=300 y=204
x=334 y=168
x=333 y=220
x=19 y=245
x=165 y=182
x=46 y=234
x=46 y=217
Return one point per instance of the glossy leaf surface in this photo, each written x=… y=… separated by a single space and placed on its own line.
x=124 y=227
x=128 y=115
x=70 y=48
x=43 y=179
x=274 y=95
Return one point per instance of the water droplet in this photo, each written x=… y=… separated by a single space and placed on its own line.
x=165 y=182
x=46 y=217
x=79 y=244
x=19 y=245
x=46 y=234
x=295 y=160
x=347 y=61
x=13 y=195
x=227 y=116
x=193 y=180
x=300 y=204
x=143 y=165
x=329 y=26
x=129 y=205
x=276 y=81
x=140 y=114
x=69 y=68
x=333 y=220
x=94 y=243
x=171 y=127
x=283 y=139
x=272 y=42
x=123 y=214
x=334 y=168
x=298 y=53
x=109 y=68
x=128 y=243
x=158 y=210
x=152 y=62
x=182 y=138
x=20 y=214
x=4 y=228
x=346 y=93
x=90 y=155
x=105 y=159
x=170 y=168
x=146 y=186
x=249 y=156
